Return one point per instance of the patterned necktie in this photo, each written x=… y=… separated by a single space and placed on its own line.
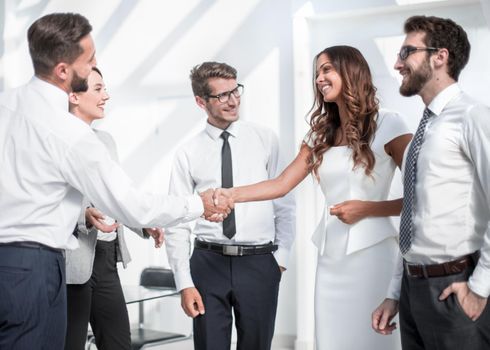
x=229 y=228
x=410 y=176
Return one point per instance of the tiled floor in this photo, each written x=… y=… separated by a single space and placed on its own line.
x=187 y=345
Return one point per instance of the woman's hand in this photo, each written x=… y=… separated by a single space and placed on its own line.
x=222 y=192
x=158 y=235
x=350 y=212
x=95 y=218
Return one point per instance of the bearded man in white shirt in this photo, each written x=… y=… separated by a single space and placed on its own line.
x=236 y=266
x=444 y=230
x=48 y=159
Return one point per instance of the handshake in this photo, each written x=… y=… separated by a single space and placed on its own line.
x=218 y=203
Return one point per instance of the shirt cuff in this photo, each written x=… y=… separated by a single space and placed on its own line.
x=183 y=280
x=394 y=289
x=195 y=208
x=282 y=257
x=479 y=282
x=82 y=223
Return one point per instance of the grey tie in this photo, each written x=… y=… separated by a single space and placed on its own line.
x=229 y=229
x=409 y=179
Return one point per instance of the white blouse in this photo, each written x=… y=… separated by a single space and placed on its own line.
x=340 y=182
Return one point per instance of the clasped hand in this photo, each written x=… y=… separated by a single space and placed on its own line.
x=349 y=212
x=217 y=204
x=95 y=218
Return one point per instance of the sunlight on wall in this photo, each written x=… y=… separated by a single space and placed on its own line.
x=165 y=111
x=201 y=40
x=97 y=12
x=16 y=56
x=265 y=74
x=411 y=2
x=388 y=47
x=140 y=34
x=133 y=124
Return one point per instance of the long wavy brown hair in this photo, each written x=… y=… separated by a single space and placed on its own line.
x=358 y=95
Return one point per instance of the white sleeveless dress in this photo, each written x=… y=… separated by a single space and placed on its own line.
x=355 y=262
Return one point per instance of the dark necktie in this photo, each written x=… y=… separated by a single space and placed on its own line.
x=409 y=179
x=229 y=228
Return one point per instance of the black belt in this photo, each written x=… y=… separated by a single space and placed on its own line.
x=236 y=250
x=32 y=245
x=444 y=269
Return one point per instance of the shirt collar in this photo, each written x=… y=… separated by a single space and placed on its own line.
x=51 y=92
x=443 y=98
x=215 y=133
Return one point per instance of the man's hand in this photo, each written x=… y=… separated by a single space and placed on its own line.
x=158 y=235
x=350 y=212
x=213 y=211
x=95 y=218
x=471 y=303
x=382 y=316
x=191 y=302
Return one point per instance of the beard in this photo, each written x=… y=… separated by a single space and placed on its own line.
x=79 y=84
x=416 y=80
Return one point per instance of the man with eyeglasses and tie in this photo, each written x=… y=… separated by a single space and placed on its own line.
x=236 y=266
x=444 y=226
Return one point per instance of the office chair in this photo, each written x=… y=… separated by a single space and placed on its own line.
x=141 y=337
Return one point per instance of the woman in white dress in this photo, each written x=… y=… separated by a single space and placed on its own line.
x=352 y=149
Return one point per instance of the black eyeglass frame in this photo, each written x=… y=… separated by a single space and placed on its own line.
x=237 y=92
x=407 y=50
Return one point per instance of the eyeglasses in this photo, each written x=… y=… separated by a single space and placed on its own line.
x=406 y=51
x=225 y=96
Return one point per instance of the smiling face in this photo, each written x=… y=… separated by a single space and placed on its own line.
x=416 y=69
x=220 y=114
x=89 y=105
x=328 y=81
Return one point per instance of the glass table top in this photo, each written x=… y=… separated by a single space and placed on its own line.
x=136 y=294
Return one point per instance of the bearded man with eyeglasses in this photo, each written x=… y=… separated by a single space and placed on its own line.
x=444 y=226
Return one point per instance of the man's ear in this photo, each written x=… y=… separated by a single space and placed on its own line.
x=61 y=71
x=441 y=58
x=201 y=102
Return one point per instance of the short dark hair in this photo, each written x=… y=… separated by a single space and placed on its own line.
x=97 y=70
x=443 y=33
x=55 y=38
x=201 y=73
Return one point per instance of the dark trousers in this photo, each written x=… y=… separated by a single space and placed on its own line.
x=100 y=301
x=32 y=298
x=429 y=324
x=246 y=285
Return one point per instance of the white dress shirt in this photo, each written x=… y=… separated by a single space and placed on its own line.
x=452 y=209
x=48 y=158
x=197 y=167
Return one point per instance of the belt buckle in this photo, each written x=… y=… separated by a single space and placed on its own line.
x=232 y=250
x=409 y=267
